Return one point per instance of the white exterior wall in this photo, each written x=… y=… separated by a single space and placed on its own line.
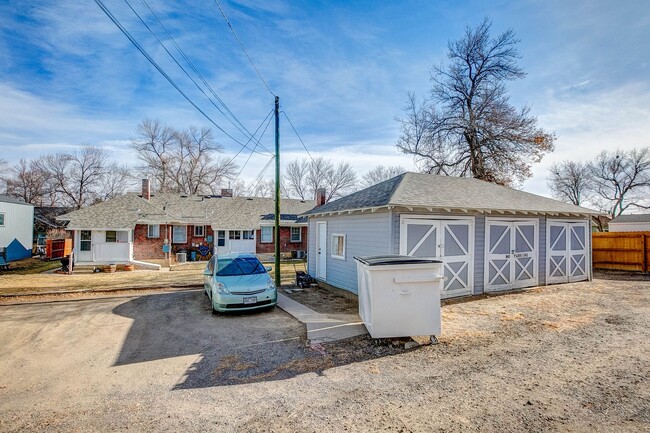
x=629 y=227
x=19 y=224
x=102 y=251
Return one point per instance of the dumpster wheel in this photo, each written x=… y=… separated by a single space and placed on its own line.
x=434 y=339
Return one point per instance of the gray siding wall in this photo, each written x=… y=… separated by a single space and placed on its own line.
x=379 y=233
x=366 y=234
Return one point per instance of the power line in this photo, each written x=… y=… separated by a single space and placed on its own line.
x=196 y=71
x=258 y=140
x=298 y=135
x=251 y=154
x=162 y=72
x=243 y=48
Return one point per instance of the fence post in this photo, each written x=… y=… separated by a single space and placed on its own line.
x=644 y=245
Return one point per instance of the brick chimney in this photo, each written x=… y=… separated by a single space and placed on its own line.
x=226 y=192
x=146 y=189
x=320 y=197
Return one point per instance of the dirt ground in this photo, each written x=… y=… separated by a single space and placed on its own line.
x=572 y=357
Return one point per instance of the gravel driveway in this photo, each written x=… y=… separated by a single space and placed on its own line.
x=573 y=357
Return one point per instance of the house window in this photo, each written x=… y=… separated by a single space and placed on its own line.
x=2 y=219
x=199 y=231
x=296 y=234
x=234 y=234
x=85 y=239
x=179 y=234
x=111 y=236
x=248 y=234
x=153 y=231
x=267 y=235
x=221 y=238
x=338 y=246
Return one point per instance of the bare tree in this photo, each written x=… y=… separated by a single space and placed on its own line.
x=154 y=146
x=303 y=178
x=76 y=176
x=116 y=180
x=380 y=174
x=467 y=126
x=622 y=179
x=27 y=181
x=571 y=181
x=181 y=161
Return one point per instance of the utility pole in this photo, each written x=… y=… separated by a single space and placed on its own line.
x=277 y=191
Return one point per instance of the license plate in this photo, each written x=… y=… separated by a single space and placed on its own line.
x=250 y=300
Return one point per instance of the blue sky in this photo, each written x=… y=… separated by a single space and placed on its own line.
x=342 y=70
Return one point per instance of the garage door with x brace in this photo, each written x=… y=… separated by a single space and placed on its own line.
x=567 y=251
x=511 y=253
x=448 y=240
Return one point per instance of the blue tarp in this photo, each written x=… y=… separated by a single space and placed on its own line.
x=16 y=251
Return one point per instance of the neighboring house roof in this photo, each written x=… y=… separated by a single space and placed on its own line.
x=447 y=192
x=639 y=218
x=46 y=215
x=293 y=218
x=13 y=200
x=118 y=213
x=228 y=213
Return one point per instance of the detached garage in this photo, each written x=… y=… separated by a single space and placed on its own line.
x=489 y=237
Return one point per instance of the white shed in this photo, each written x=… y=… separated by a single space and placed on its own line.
x=16 y=227
x=630 y=223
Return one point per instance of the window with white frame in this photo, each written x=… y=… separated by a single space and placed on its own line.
x=179 y=234
x=199 y=231
x=266 y=235
x=248 y=234
x=111 y=236
x=221 y=238
x=2 y=219
x=296 y=234
x=153 y=231
x=234 y=235
x=338 y=246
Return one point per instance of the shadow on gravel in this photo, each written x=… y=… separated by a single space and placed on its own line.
x=602 y=274
x=234 y=348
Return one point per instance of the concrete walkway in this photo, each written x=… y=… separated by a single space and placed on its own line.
x=320 y=328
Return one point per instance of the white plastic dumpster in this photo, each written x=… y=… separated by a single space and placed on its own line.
x=399 y=296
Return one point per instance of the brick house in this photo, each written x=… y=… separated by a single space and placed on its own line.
x=141 y=227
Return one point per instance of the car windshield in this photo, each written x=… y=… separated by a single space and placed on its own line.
x=239 y=266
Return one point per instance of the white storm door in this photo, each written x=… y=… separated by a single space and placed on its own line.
x=499 y=257
x=321 y=249
x=525 y=254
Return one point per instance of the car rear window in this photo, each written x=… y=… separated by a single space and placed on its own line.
x=239 y=266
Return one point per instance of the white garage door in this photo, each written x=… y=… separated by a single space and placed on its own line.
x=511 y=254
x=448 y=240
x=567 y=257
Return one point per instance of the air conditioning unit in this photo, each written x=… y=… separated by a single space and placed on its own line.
x=181 y=257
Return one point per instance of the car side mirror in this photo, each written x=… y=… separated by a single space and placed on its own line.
x=268 y=268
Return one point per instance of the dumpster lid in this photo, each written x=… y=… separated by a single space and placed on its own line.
x=393 y=260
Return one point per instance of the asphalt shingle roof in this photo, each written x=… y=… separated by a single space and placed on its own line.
x=447 y=192
x=639 y=218
x=234 y=213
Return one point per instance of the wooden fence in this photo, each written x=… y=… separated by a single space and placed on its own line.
x=626 y=251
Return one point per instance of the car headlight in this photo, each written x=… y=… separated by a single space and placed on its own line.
x=270 y=285
x=221 y=288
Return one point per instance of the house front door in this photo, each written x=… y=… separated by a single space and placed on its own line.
x=84 y=249
x=321 y=250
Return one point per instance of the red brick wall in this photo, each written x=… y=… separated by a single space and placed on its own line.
x=285 y=242
x=152 y=248
x=148 y=248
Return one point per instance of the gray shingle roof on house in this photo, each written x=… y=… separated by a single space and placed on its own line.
x=118 y=213
x=447 y=192
x=13 y=200
x=228 y=213
x=639 y=218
